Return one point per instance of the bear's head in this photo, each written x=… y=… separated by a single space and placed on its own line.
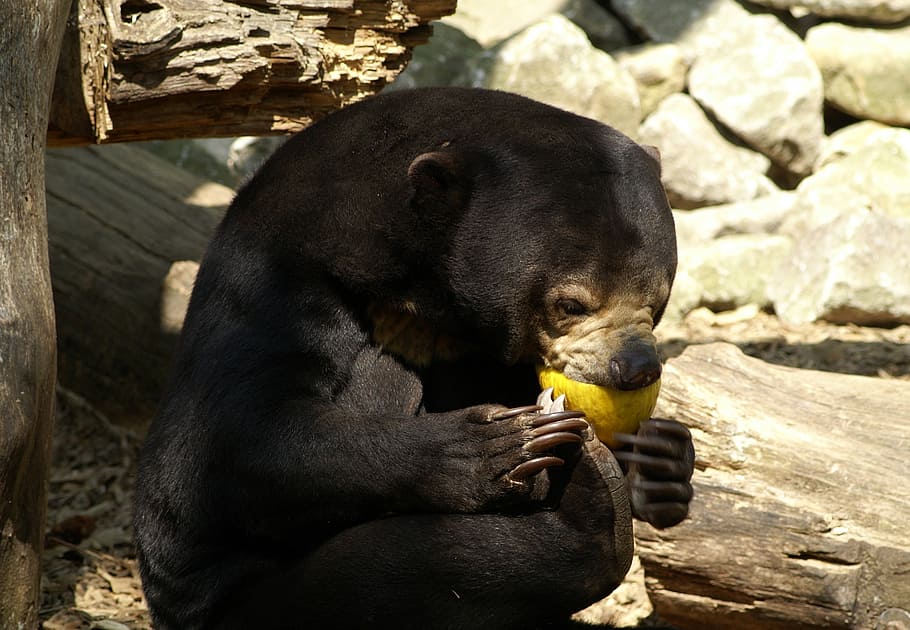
x=552 y=242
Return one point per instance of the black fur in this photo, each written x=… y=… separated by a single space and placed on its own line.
x=298 y=475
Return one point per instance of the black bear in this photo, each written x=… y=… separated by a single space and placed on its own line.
x=350 y=437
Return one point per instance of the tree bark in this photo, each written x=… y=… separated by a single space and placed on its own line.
x=119 y=219
x=30 y=36
x=802 y=498
x=142 y=69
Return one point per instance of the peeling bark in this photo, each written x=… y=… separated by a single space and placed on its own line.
x=159 y=69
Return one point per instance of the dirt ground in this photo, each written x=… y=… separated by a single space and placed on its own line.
x=90 y=578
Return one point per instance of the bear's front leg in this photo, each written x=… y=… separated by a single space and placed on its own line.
x=658 y=471
x=467 y=460
x=487 y=457
x=460 y=571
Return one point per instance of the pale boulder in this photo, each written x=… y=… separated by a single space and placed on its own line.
x=554 y=62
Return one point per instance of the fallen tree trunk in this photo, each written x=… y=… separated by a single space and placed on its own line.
x=802 y=503
x=143 y=69
x=119 y=219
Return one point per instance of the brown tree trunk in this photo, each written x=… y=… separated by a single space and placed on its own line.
x=141 y=70
x=30 y=36
x=802 y=505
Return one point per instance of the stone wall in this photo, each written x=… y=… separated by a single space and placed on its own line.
x=779 y=123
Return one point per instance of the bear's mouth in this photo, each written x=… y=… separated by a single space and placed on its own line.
x=610 y=412
x=623 y=361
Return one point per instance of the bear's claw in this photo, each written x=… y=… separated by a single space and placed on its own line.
x=530 y=468
x=546 y=442
x=655 y=465
x=655 y=445
x=553 y=429
x=545 y=419
x=571 y=423
x=514 y=411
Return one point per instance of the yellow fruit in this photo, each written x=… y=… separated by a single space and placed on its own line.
x=608 y=410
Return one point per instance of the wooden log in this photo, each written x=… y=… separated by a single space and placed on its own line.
x=30 y=36
x=143 y=69
x=802 y=500
x=119 y=219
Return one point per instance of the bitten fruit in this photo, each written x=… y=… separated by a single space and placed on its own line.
x=608 y=410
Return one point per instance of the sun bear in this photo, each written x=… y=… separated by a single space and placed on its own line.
x=351 y=437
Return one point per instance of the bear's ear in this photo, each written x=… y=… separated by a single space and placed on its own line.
x=436 y=172
x=654 y=152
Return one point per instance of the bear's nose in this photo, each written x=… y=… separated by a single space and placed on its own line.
x=634 y=368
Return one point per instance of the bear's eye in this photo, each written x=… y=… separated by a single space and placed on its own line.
x=570 y=307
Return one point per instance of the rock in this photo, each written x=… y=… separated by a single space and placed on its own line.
x=881 y=11
x=453 y=57
x=766 y=89
x=449 y=58
x=626 y=607
x=874 y=178
x=491 y=23
x=726 y=273
x=759 y=216
x=210 y=195
x=703 y=316
x=699 y=166
x=847 y=140
x=603 y=29
x=696 y=26
x=851 y=270
x=684 y=297
x=659 y=70
x=741 y=314
x=176 y=289
x=860 y=136
x=894 y=619
x=749 y=70
x=247 y=153
x=553 y=61
x=864 y=70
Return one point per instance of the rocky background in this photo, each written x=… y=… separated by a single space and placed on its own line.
x=779 y=123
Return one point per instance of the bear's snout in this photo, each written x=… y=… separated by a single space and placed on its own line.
x=634 y=366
